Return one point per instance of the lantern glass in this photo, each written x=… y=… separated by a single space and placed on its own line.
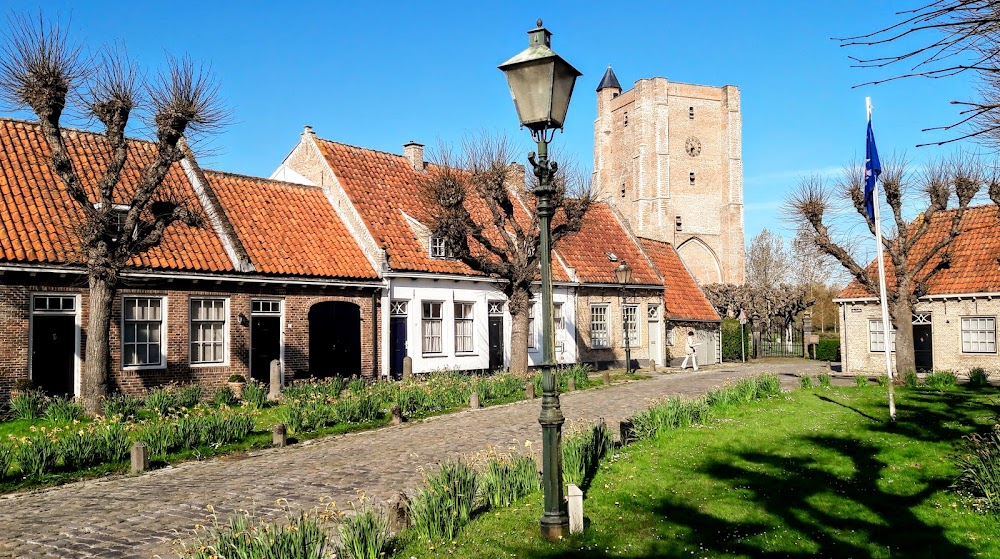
x=623 y=273
x=541 y=83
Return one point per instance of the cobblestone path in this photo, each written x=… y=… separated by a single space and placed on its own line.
x=143 y=516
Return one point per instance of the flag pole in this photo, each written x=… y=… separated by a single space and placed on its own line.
x=886 y=325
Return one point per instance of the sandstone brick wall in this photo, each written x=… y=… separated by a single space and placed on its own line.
x=946 y=334
x=15 y=315
x=642 y=167
x=612 y=297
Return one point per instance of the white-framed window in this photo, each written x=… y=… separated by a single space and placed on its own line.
x=531 y=326
x=463 y=328
x=53 y=303
x=876 y=336
x=495 y=308
x=265 y=307
x=398 y=308
x=599 y=326
x=143 y=332
x=440 y=248
x=979 y=334
x=209 y=319
x=630 y=325
x=670 y=336
x=559 y=322
x=432 y=326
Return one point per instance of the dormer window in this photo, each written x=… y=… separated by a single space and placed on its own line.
x=119 y=212
x=440 y=248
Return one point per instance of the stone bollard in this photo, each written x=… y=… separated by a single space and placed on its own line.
x=570 y=384
x=140 y=458
x=607 y=378
x=399 y=513
x=397 y=415
x=575 y=497
x=626 y=431
x=407 y=367
x=275 y=392
x=829 y=366
x=474 y=401
x=529 y=391
x=279 y=435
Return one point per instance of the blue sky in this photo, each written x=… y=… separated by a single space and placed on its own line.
x=381 y=74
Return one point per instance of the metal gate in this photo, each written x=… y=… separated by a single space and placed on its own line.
x=781 y=341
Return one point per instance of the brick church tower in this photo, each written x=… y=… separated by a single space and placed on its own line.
x=667 y=155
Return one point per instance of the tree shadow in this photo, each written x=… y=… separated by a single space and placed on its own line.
x=855 y=410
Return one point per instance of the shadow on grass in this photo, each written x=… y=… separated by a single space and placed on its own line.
x=855 y=410
x=829 y=503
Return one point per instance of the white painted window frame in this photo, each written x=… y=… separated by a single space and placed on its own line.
x=464 y=320
x=603 y=340
x=987 y=331
x=225 y=331
x=876 y=331
x=425 y=322
x=163 y=333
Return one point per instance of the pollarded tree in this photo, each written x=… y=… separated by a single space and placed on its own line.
x=41 y=69
x=484 y=210
x=768 y=263
x=909 y=254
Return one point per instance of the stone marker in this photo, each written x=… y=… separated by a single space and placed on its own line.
x=397 y=415
x=626 y=431
x=279 y=435
x=570 y=384
x=607 y=378
x=529 y=390
x=474 y=401
x=275 y=392
x=407 y=367
x=399 y=513
x=140 y=458
x=575 y=498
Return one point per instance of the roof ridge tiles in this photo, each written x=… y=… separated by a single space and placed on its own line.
x=74 y=130
x=263 y=179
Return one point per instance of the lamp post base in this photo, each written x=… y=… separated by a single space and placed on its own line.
x=555 y=528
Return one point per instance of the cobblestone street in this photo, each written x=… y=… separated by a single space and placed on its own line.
x=142 y=516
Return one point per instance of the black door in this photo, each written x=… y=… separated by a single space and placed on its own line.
x=53 y=349
x=265 y=346
x=922 y=354
x=397 y=343
x=496 y=343
x=334 y=339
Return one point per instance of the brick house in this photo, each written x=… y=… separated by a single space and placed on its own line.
x=955 y=321
x=273 y=274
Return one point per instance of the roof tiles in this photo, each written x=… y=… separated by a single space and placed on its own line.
x=683 y=298
x=587 y=249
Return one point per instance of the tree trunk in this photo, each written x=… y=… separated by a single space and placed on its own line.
x=94 y=377
x=902 y=314
x=519 y=300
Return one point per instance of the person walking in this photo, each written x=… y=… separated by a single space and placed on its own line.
x=689 y=351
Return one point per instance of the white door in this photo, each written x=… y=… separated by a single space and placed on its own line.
x=655 y=336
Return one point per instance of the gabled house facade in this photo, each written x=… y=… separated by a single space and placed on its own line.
x=955 y=321
x=250 y=286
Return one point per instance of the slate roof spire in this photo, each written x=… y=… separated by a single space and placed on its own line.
x=609 y=80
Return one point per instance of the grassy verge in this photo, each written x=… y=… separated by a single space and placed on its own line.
x=814 y=473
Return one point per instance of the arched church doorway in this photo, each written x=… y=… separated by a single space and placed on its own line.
x=334 y=339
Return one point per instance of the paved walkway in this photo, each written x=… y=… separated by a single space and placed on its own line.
x=142 y=516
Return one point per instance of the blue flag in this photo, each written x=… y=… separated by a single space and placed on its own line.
x=873 y=168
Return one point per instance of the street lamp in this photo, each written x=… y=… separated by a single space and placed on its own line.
x=623 y=273
x=541 y=83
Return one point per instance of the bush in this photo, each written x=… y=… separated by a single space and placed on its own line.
x=445 y=503
x=940 y=380
x=189 y=395
x=582 y=453
x=507 y=478
x=365 y=535
x=824 y=380
x=979 y=377
x=28 y=404
x=161 y=401
x=805 y=381
x=255 y=394
x=882 y=380
x=121 y=405
x=224 y=397
x=731 y=340
x=860 y=381
x=63 y=410
x=910 y=379
x=979 y=467
x=828 y=349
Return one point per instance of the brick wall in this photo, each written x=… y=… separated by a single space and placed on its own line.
x=612 y=297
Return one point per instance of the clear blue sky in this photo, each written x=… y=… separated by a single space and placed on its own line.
x=378 y=74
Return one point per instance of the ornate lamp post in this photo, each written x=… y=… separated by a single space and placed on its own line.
x=541 y=83
x=623 y=273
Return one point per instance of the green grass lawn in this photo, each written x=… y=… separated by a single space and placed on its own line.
x=812 y=473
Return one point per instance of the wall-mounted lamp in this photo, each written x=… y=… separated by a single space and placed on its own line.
x=244 y=321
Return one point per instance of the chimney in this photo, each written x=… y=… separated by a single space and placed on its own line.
x=414 y=153
x=308 y=131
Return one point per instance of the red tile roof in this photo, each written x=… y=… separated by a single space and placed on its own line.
x=289 y=229
x=682 y=296
x=601 y=233
x=382 y=186
x=38 y=219
x=974 y=253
